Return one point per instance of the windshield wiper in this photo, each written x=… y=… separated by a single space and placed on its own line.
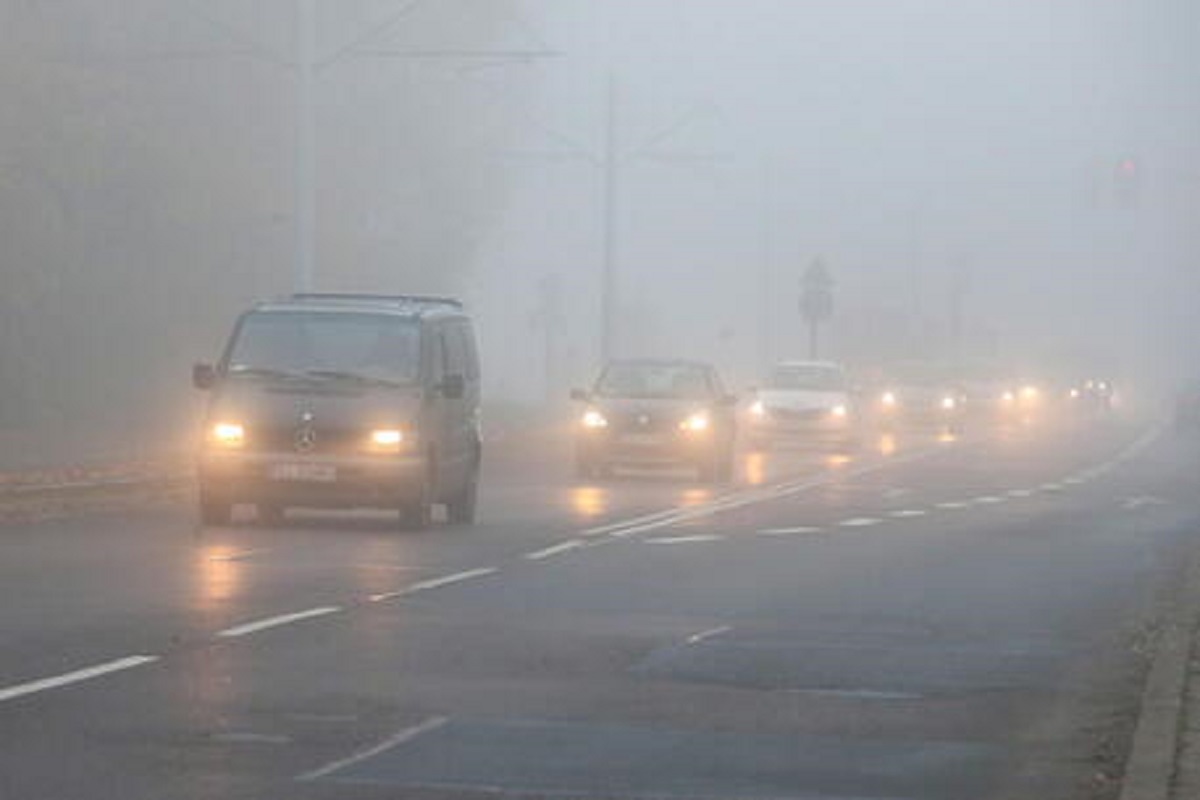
x=357 y=377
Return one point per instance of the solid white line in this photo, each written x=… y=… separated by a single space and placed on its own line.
x=397 y=739
x=860 y=522
x=908 y=513
x=707 y=537
x=952 y=505
x=275 y=622
x=77 y=676
x=554 y=550
x=788 y=531
x=696 y=638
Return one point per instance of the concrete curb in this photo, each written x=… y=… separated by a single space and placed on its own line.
x=1153 y=757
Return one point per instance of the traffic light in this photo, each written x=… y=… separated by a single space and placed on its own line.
x=1127 y=175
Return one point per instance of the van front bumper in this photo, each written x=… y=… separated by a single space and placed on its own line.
x=312 y=481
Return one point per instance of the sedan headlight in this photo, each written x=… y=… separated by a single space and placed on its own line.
x=758 y=409
x=593 y=420
x=696 y=423
x=231 y=435
x=949 y=403
x=889 y=400
x=840 y=411
x=387 y=440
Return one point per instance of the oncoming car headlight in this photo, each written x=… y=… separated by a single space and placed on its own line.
x=949 y=403
x=593 y=420
x=840 y=411
x=387 y=440
x=695 y=423
x=231 y=435
x=758 y=409
x=888 y=400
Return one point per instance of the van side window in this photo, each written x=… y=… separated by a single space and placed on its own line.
x=456 y=356
x=470 y=352
x=437 y=356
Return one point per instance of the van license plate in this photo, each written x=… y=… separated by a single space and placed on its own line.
x=313 y=473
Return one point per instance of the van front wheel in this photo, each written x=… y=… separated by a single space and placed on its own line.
x=461 y=510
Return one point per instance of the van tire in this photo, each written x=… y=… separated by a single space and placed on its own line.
x=461 y=510
x=417 y=515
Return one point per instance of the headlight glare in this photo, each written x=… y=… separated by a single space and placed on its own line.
x=840 y=411
x=593 y=420
x=696 y=423
x=228 y=434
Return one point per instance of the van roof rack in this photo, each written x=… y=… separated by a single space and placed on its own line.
x=387 y=299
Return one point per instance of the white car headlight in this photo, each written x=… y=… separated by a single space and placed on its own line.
x=593 y=420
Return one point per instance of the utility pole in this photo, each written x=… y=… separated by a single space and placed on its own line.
x=608 y=284
x=305 y=171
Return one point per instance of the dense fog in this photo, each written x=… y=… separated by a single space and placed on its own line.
x=1011 y=180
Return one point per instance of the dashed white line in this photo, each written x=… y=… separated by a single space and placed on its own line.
x=706 y=537
x=1051 y=487
x=1020 y=492
x=697 y=638
x=860 y=522
x=397 y=739
x=78 y=676
x=1073 y=481
x=951 y=505
x=433 y=583
x=274 y=622
x=908 y=513
x=799 y=529
x=553 y=550
x=987 y=500
x=239 y=555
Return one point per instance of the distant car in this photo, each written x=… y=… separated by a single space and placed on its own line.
x=340 y=401
x=643 y=412
x=1187 y=407
x=804 y=402
x=921 y=394
x=1092 y=396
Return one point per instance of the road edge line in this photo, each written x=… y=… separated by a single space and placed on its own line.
x=1154 y=753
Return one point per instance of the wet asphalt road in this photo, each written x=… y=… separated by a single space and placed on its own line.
x=925 y=618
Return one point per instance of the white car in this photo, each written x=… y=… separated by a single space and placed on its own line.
x=803 y=402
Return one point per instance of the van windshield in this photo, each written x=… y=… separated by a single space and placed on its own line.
x=327 y=345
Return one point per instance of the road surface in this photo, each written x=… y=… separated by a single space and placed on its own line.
x=926 y=618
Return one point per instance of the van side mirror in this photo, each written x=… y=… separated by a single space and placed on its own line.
x=204 y=376
x=581 y=395
x=453 y=387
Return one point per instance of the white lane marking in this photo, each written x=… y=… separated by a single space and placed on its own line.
x=799 y=529
x=908 y=513
x=671 y=517
x=388 y=567
x=250 y=737
x=892 y=494
x=987 y=500
x=951 y=505
x=857 y=694
x=434 y=583
x=860 y=522
x=395 y=740
x=79 y=675
x=1134 y=503
x=697 y=638
x=707 y=537
x=274 y=622
x=1020 y=492
x=1073 y=481
x=1051 y=487
x=240 y=555
x=554 y=550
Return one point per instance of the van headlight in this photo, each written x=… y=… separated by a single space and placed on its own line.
x=949 y=403
x=593 y=420
x=696 y=423
x=758 y=409
x=386 y=440
x=229 y=435
x=840 y=411
x=888 y=400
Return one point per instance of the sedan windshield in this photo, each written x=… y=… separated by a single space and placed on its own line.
x=812 y=377
x=655 y=381
x=327 y=346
